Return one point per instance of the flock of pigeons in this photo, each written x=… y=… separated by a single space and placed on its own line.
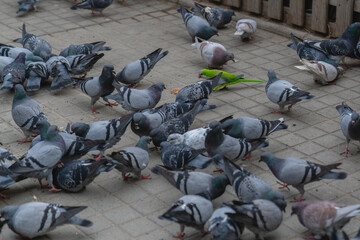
x=55 y=154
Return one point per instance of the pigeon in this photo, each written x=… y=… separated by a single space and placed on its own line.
x=180 y=124
x=214 y=54
x=34 y=219
x=133 y=159
x=222 y=227
x=309 y=53
x=14 y=73
x=216 y=17
x=194 y=138
x=83 y=63
x=13 y=52
x=194 y=183
x=135 y=71
x=148 y=119
x=74 y=176
x=324 y=73
x=93 y=5
x=6 y=155
x=86 y=48
x=252 y=128
x=320 y=216
x=340 y=47
x=248 y=186
x=180 y=156
x=137 y=100
x=36 y=45
x=297 y=172
x=35 y=73
x=190 y=210
x=216 y=142
x=283 y=92
x=97 y=87
x=199 y=90
x=60 y=70
x=25 y=6
x=26 y=112
x=260 y=216
x=40 y=159
x=197 y=26
x=349 y=123
x=4 y=61
x=245 y=28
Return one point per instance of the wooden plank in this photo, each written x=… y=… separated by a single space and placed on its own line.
x=297 y=12
x=319 y=16
x=357 y=6
x=275 y=9
x=232 y=3
x=344 y=16
x=254 y=6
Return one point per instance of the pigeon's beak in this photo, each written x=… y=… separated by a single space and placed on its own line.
x=353 y=123
x=137 y=126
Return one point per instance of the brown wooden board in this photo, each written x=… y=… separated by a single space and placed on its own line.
x=297 y=12
x=344 y=16
x=232 y=3
x=275 y=9
x=319 y=16
x=254 y=6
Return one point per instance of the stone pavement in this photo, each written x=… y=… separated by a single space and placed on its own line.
x=130 y=210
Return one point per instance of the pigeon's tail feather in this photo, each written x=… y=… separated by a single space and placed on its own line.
x=200 y=162
x=83 y=5
x=33 y=83
x=161 y=55
x=18 y=40
x=99 y=46
x=307 y=97
x=226 y=118
x=344 y=108
x=199 y=6
x=80 y=222
x=277 y=125
x=294 y=43
x=208 y=107
x=62 y=79
x=23 y=31
x=23 y=9
x=105 y=48
x=168 y=175
x=259 y=143
x=6 y=86
x=124 y=122
x=239 y=33
x=335 y=175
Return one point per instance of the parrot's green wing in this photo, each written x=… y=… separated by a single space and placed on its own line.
x=237 y=79
x=213 y=73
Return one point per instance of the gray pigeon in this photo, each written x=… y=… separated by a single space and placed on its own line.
x=135 y=71
x=260 y=216
x=216 y=142
x=83 y=63
x=148 y=119
x=297 y=172
x=248 y=186
x=222 y=227
x=251 y=128
x=319 y=217
x=339 y=47
x=216 y=17
x=13 y=52
x=93 y=5
x=74 y=176
x=26 y=112
x=190 y=210
x=179 y=156
x=97 y=87
x=60 y=70
x=34 y=219
x=133 y=159
x=36 y=72
x=284 y=93
x=86 y=48
x=102 y=130
x=197 y=26
x=25 y=6
x=194 y=138
x=309 y=53
x=40 y=159
x=194 y=183
x=137 y=100
x=349 y=123
x=180 y=124
x=14 y=73
x=199 y=90
x=4 y=61
x=36 y=45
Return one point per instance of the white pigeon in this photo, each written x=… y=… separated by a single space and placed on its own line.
x=214 y=54
x=324 y=73
x=245 y=29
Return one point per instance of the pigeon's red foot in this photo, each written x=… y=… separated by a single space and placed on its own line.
x=179 y=235
x=133 y=86
x=25 y=140
x=54 y=189
x=247 y=157
x=219 y=170
x=127 y=176
x=94 y=111
x=42 y=186
x=346 y=152
x=110 y=104
x=3 y=196
x=277 y=111
x=206 y=232
x=145 y=177
x=300 y=199
x=284 y=185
